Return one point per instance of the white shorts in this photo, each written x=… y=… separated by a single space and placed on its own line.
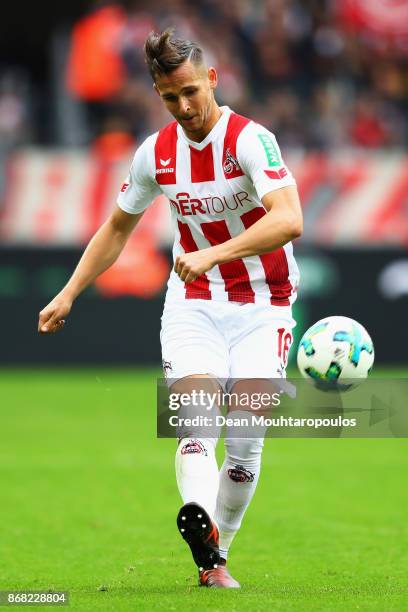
x=227 y=340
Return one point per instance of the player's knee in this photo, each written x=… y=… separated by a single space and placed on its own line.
x=198 y=421
x=244 y=451
x=244 y=443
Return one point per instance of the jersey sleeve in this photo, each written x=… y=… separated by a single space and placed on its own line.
x=260 y=158
x=140 y=189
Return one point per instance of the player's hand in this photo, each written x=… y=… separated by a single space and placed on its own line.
x=191 y=265
x=52 y=317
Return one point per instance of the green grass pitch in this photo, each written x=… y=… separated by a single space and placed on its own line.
x=89 y=500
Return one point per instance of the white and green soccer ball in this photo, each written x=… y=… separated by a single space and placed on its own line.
x=335 y=353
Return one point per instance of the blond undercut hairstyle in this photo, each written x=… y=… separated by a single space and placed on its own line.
x=164 y=53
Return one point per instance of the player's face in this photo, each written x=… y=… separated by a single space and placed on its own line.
x=188 y=93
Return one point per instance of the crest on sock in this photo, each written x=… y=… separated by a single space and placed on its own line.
x=192 y=447
x=240 y=474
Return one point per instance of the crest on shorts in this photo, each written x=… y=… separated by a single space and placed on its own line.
x=240 y=474
x=230 y=163
x=167 y=368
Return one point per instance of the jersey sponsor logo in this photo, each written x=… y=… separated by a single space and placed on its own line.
x=165 y=162
x=194 y=447
x=124 y=187
x=230 y=163
x=271 y=150
x=240 y=474
x=211 y=205
x=276 y=174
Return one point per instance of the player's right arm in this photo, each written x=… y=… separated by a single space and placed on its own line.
x=136 y=194
x=101 y=252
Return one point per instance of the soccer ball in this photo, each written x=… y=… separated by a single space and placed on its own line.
x=335 y=353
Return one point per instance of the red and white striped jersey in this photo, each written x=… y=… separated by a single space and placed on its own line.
x=214 y=188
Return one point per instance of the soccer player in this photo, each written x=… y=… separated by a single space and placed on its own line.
x=227 y=317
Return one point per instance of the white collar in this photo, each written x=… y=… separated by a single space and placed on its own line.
x=220 y=125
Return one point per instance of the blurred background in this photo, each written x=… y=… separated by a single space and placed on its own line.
x=329 y=78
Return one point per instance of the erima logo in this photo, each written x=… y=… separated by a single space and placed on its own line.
x=276 y=174
x=164 y=162
x=164 y=170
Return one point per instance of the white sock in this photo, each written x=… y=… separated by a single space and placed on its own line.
x=239 y=476
x=197 y=472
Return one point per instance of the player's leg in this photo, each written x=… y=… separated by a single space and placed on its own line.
x=241 y=468
x=195 y=462
x=195 y=357
x=258 y=355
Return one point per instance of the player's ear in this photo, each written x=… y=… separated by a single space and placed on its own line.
x=212 y=77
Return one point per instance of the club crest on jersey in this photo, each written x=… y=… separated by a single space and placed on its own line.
x=230 y=163
x=240 y=474
x=194 y=447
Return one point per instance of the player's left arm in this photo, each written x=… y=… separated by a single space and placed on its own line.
x=282 y=223
x=262 y=162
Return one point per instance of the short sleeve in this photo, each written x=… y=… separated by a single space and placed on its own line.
x=140 y=189
x=260 y=158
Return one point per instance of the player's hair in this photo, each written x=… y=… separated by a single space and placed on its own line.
x=164 y=53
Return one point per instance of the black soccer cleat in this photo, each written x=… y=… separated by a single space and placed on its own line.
x=201 y=534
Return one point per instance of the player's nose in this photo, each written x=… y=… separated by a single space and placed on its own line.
x=184 y=107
